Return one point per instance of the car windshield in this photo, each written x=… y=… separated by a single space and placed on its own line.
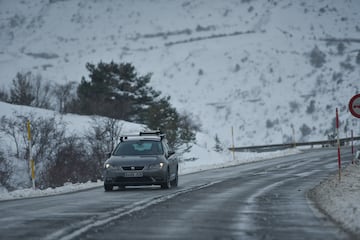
x=142 y=147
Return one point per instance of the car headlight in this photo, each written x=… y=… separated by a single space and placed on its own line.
x=107 y=166
x=156 y=166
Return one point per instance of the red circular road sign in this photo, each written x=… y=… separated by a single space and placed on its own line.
x=354 y=106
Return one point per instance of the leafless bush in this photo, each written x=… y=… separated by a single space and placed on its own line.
x=47 y=134
x=59 y=158
x=70 y=164
x=64 y=94
x=15 y=130
x=41 y=90
x=311 y=108
x=5 y=172
x=4 y=95
x=317 y=57
x=305 y=130
x=218 y=146
x=21 y=93
x=101 y=139
x=31 y=90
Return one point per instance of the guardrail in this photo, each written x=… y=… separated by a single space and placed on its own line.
x=273 y=147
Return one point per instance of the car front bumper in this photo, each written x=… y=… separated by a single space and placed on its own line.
x=134 y=178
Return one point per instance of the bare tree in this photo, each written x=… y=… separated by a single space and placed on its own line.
x=4 y=95
x=41 y=91
x=21 y=91
x=102 y=138
x=47 y=135
x=64 y=94
x=69 y=164
x=59 y=158
x=30 y=90
x=5 y=171
x=16 y=130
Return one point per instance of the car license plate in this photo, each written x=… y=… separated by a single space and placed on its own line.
x=133 y=174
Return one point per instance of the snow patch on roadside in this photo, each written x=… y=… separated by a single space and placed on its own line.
x=340 y=199
x=30 y=193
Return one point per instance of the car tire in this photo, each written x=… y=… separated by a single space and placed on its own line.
x=167 y=183
x=108 y=187
x=175 y=182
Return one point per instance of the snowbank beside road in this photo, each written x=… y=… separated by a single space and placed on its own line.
x=340 y=199
x=30 y=193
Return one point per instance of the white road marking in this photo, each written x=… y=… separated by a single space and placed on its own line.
x=73 y=231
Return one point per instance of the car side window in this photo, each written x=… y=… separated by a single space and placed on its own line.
x=166 y=149
x=169 y=151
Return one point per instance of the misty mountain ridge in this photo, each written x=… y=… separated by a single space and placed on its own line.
x=272 y=70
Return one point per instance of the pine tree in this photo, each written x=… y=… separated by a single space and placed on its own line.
x=115 y=90
x=178 y=127
x=160 y=115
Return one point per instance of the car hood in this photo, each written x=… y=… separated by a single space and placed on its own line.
x=133 y=160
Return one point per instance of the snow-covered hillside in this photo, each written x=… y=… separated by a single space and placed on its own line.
x=245 y=64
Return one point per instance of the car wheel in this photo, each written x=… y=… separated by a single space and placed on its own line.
x=175 y=182
x=108 y=187
x=167 y=183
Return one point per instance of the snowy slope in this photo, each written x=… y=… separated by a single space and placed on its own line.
x=228 y=63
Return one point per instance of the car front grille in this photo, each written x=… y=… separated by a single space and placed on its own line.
x=133 y=168
x=134 y=180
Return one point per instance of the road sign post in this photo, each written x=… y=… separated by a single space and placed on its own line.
x=354 y=108
x=31 y=160
x=338 y=143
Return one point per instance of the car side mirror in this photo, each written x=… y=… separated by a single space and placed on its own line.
x=171 y=153
x=108 y=154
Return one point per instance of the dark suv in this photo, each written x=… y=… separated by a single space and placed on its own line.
x=143 y=159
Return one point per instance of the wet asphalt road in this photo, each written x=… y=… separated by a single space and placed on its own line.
x=263 y=200
x=266 y=202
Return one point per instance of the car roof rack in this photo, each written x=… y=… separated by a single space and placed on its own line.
x=144 y=133
x=153 y=132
